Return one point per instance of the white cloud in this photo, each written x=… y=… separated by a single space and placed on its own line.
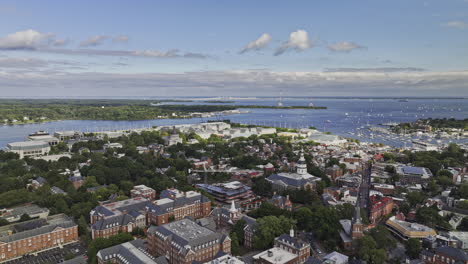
x=298 y=40
x=22 y=63
x=457 y=24
x=120 y=38
x=94 y=41
x=60 y=42
x=240 y=82
x=257 y=44
x=344 y=46
x=156 y=53
x=27 y=39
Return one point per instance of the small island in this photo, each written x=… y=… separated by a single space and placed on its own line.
x=437 y=125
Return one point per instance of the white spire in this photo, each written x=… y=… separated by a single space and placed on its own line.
x=233 y=207
x=291 y=232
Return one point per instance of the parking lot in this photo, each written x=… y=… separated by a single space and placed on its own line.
x=55 y=255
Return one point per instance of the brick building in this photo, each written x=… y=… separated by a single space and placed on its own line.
x=144 y=192
x=36 y=235
x=109 y=219
x=293 y=245
x=444 y=255
x=334 y=172
x=129 y=252
x=281 y=202
x=386 y=189
x=185 y=241
x=179 y=206
x=380 y=206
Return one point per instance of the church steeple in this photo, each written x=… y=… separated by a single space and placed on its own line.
x=357 y=227
x=301 y=166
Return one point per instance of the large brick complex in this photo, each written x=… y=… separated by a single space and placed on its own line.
x=178 y=207
x=185 y=241
x=123 y=216
x=36 y=235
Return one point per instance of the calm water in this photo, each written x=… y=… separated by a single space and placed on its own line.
x=343 y=117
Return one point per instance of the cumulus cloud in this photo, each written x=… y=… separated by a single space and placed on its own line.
x=457 y=24
x=26 y=40
x=344 y=46
x=120 y=38
x=94 y=41
x=298 y=40
x=257 y=44
x=240 y=82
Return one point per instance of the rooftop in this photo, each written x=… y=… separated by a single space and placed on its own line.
x=276 y=255
x=23 y=145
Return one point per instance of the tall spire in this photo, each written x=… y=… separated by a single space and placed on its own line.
x=233 y=207
x=357 y=212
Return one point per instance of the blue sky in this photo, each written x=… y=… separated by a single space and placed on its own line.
x=194 y=47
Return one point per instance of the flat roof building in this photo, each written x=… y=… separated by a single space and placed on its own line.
x=29 y=148
x=275 y=255
x=14 y=214
x=406 y=230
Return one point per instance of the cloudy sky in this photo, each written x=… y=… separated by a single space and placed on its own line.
x=210 y=48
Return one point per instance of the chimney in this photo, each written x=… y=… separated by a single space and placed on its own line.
x=124 y=211
x=270 y=253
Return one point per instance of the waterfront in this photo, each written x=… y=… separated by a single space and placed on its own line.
x=346 y=117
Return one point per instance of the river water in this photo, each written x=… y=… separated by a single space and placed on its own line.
x=346 y=117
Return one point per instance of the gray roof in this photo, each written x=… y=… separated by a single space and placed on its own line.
x=160 y=209
x=187 y=234
x=130 y=252
x=292 y=241
x=457 y=254
x=53 y=223
x=30 y=209
x=27 y=145
x=118 y=220
x=296 y=182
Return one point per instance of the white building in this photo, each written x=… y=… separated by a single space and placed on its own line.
x=29 y=148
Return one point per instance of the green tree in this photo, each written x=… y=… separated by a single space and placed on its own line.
x=268 y=228
x=413 y=248
x=235 y=248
